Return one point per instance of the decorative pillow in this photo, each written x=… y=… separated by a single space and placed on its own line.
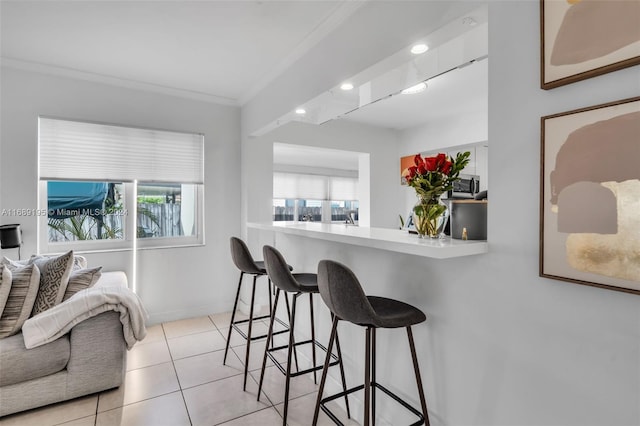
x=82 y=279
x=25 y=282
x=54 y=278
x=5 y=286
x=79 y=262
x=15 y=263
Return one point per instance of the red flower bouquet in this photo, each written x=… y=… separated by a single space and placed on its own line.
x=431 y=177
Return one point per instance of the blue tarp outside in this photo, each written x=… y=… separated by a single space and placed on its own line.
x=66 y=199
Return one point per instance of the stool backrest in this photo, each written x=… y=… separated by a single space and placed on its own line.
x=278 y=270
x=342 y=293
x=242 y=257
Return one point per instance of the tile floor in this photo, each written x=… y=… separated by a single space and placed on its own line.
x=175 y=377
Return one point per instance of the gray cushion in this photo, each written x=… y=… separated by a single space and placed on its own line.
x=242 y=257
x=82 y=279
x=392 y=313
x=54 y=278
x=342 y=293
x=25 y=281
x=20 y=364
x=308 y=282
x=5 y=286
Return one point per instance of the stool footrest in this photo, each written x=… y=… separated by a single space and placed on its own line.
x=395 y=397
x=277 y=363
x=262 y=336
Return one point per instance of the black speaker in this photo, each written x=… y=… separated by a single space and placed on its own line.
x=10 y=236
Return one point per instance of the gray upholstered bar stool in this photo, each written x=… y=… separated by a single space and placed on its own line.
x=297 y=285
x=343 y=295
x=244 y=262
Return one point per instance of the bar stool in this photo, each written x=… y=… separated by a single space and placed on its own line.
x=244 y=262
x=343 y=295
x=298 y=285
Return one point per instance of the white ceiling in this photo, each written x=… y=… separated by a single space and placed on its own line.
x=461 y=91
x=223 y=51
x=227 y=50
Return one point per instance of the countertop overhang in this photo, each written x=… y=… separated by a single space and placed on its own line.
x=381 y=238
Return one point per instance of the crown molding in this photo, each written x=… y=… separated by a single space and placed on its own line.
x=114 y=81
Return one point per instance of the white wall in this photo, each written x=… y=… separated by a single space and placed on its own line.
x=381 y=144
x=173 y=283
x=501 y=345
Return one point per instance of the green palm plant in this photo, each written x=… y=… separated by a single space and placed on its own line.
x=73 y=226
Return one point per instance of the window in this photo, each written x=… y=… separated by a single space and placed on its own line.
x=342 y=211
x=104 y=186
x=166 y=210
x=317 y=198
x=80 y=211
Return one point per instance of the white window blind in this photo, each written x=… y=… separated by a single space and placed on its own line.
x=294 y=185
x=72 y=150
x=314 y=187
x=343 y=188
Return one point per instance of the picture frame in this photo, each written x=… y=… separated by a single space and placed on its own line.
x=590 y=196
x=572 y=50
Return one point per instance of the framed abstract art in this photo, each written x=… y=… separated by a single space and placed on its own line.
x=581 y=39
x=590 y=196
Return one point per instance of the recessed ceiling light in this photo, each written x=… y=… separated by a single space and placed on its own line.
x=301 y=111
x=415 y=89
x=346 y=86
x=418 y=49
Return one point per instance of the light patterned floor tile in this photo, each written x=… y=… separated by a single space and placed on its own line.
x=166 y=410
x=221 y=401
x=84 y=421
x=300 y=412
x=154 y=333
x=223 y=320
x=148 y=354
x=266 y=417
x=188 y=355
x=196 y=344
x=200 y=369
x=141 y=384
x=274 y=384
x=188 y=326
x=256 y=355
x=54 y=414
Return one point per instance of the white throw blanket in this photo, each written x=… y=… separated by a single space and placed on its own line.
x=57 y=321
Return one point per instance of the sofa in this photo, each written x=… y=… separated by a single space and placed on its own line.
x=90 y=358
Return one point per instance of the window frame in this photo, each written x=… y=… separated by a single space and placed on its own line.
x=130 y=240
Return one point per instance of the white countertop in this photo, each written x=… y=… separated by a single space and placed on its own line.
x=381 y=238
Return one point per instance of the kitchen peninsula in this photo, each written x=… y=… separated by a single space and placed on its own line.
x=381 y=238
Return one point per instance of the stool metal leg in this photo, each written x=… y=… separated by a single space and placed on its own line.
x=373 y=377
x=269 y=339
x=313 y=338
x=423 y=401
x=233 y=316
x=367 y=377
x=342 y=376
x=271 y=307
x=295 y=354
x=289 y=353
x=325 y=369
x=246 y=358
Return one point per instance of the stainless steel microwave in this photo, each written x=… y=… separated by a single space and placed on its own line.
x=467 y=187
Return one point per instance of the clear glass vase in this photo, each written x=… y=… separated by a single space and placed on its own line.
x=429 y=217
